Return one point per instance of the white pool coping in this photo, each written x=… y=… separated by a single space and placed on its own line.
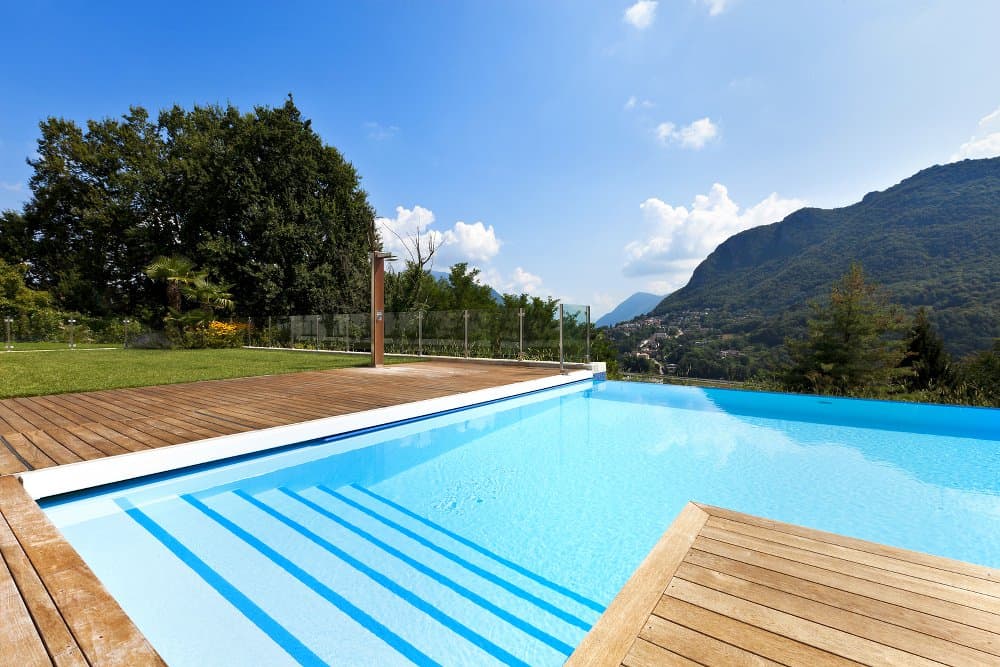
x=123 y=467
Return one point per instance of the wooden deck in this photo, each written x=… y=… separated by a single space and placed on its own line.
x=44 y=431
x=724 y=588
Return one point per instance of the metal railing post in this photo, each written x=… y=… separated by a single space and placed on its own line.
x=72 y=325
x=520 y=339
x=562 y=368
x=348 y=332
x=465 y=314
x=588 y=334
x=420 y=333
x=316 y=331
x=7 y=322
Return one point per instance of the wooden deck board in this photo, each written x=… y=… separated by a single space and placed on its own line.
x=725 y=588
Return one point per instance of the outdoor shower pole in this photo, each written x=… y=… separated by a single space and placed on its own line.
x=588 y=334
x=520 y=327
x=562 y=368
x=465 y=315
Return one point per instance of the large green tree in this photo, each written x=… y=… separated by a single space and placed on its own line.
x=851 y=344
x=256 y=199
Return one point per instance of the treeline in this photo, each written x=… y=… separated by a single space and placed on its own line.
x=254 y=200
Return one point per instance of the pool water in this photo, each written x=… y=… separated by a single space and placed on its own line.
x=498 y=534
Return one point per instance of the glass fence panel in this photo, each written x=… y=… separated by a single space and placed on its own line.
x=576 y=343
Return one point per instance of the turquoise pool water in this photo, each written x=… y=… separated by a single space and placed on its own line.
x=497 y=534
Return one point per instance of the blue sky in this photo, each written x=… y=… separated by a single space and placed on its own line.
x=588 y=149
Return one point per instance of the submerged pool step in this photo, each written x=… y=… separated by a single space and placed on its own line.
x=364 y=582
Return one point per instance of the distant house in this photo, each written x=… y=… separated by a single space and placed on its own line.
x=726 y=354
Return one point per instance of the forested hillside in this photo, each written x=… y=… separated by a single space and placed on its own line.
x=933 y=240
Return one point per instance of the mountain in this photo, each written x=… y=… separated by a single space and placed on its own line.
x=639 y=303
x=932 y=240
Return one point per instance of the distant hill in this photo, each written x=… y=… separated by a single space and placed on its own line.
x=932 y=240
x=639 y=303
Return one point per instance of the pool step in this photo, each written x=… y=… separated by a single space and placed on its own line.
x=372 y=581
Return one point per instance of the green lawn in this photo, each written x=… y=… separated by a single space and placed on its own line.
x=35 y=373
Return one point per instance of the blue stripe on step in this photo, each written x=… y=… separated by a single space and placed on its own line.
x=470 y=595
x=362 y=618
x=282 y=637
x=485 y=574
x=384 y=581
x=573 y=595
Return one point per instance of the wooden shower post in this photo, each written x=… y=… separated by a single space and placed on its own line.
x=378 y=307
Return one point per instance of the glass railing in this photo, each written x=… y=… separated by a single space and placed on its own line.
x=502 y=333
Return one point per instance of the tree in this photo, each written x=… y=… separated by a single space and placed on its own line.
x=177 y=272
x=849 y=345
x=255 y=196
x=925 y=355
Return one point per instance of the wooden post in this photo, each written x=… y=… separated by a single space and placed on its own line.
x=378 y=306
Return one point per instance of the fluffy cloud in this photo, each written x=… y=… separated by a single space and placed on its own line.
x=715 y=7
x=641 y=14
x=986 y=141
x=520 y=281
x=464 y=242
x=680 y=237
x=475 y=242
x=694 y=136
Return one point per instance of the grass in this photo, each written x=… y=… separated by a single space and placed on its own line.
x=64 y=370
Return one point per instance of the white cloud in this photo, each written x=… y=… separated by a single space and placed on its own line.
x=715 y=7
x=380 y=132
x=517 y=282
x=680 y=238
x=641 y=14
x=694 y=136
x=986 y=141
x=464 y=242
x=11 y=187
x=475 y=242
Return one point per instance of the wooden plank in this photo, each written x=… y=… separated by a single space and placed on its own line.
x=609 y=640
x=872 y=629
x=647 y=654
x=897 y=563
x=932 y=589
x=961 y=567
x=27 y=450
x=48 y=623
x=761 y=642
x=18 y=635
x=846 y=582
x=871 y=607
x=696 y=646
x=102 y=630
x=816 y=634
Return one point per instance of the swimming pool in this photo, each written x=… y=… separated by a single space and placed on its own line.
x=497 y=534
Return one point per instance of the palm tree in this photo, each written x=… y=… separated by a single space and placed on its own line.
x=178 y=272
x=208 y=295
